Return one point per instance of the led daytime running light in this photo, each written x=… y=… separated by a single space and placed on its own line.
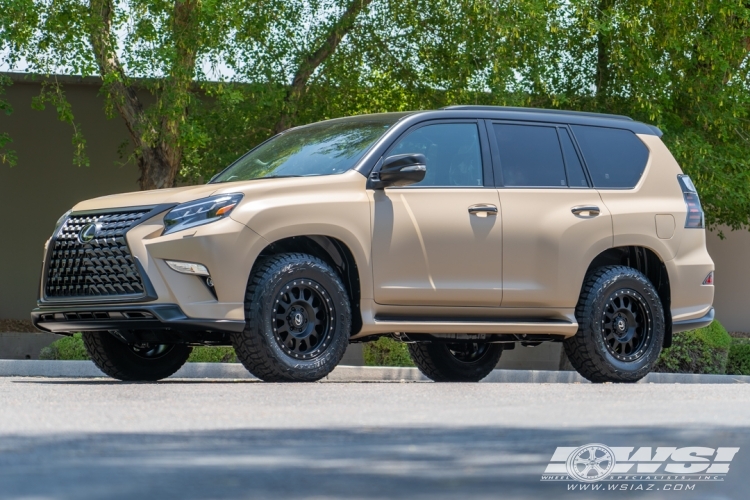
x=188 y=268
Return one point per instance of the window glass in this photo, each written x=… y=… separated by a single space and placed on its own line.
x=324 y=148
x=530 y=156
x=576 y=177
x=452 y=152
x=616 y=158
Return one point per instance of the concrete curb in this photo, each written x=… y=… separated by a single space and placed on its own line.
x=235 y=371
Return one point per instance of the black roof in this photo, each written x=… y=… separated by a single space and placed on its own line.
x=557 y=116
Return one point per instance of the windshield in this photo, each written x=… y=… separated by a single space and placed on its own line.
x=324 y=148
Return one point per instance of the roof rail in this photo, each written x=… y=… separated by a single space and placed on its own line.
x=536 y=110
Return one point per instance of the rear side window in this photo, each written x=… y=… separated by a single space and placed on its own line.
x=616 y=158
x=530 y=156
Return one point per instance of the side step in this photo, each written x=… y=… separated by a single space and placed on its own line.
x=542 y=327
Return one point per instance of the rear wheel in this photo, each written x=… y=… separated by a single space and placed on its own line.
x=620 y=326
x=134 y=362
x=455 y=362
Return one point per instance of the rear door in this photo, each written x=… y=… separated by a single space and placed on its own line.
x=554 y=223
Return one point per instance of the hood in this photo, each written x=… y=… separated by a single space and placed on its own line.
x=254 y=189
x=147 y=198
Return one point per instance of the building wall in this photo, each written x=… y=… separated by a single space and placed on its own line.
x=732 y=280
x=45 y=183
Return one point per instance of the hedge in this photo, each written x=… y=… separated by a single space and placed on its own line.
x=66 y=348
x=739 y=357
x=386 y=352
x=72 y=348
x=704 y=350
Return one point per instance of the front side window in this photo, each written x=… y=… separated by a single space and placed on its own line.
x=323 y=148
x=530 y=156
x=452 y=151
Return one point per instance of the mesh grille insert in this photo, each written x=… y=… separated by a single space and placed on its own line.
x=100 y=267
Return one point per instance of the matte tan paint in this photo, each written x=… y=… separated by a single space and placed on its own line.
x=428 y=250
x=420 y=254
x=547 y=249
x=665 y=226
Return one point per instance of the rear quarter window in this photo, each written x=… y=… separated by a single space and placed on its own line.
x=615 y=158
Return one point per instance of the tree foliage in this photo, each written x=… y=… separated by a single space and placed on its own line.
x=201 y=81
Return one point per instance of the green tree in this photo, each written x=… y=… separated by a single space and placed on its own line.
x=151 y=56
x=201 y=81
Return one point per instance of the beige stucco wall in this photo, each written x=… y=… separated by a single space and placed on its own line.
x=732 y=299
x=45 y=183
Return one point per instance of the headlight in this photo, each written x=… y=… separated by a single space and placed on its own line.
x=61 y=220
x=199 y=212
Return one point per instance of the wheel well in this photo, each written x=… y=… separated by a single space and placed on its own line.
x=647 y=262
x=333 y=252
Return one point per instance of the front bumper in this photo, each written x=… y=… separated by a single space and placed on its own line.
x=226 y=247
x=154 y=317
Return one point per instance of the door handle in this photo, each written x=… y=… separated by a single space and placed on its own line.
x=483 y=208
x=586 y=211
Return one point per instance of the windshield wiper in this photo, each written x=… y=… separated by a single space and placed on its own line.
x=277 y=176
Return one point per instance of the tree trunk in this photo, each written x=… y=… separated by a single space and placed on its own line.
x=160 y=155
x=603 y=48
x=310 y=62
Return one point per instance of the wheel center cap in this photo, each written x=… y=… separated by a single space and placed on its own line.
x=298 y=319
x=621 y=325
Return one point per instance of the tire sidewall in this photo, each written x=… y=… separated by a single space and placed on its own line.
x=117 y=359
x=264 y=309
x=442 y=366
x=466 y=368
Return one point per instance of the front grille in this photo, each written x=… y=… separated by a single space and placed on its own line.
x=101 y=267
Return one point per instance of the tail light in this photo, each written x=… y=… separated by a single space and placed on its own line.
x=695 y=218
x=709 y=279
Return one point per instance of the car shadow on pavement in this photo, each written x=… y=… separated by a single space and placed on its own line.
x=368 y=463
x=104 y=381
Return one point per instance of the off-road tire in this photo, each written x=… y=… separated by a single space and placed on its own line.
x=120 y=361
x=588 y=351
x=436 y=361
x=258 y=347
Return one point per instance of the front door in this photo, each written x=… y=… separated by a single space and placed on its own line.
x=554 y=222
x=439 y=242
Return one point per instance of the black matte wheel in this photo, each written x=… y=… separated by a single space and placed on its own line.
x=455 y=362
x=298 y=320
x=620 y=326
x=134 y=362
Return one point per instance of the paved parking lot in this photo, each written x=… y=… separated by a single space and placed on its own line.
x=92 y=438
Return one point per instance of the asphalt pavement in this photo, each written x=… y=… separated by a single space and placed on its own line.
x=193 y=439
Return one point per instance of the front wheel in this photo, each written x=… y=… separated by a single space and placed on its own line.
x=134 y=362
x=620 y=326
x=298 y=320
x=455 y=362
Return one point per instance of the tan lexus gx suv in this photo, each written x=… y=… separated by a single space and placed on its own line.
x=463 y=232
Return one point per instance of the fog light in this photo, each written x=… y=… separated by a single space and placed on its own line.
x=188 y=268
x=709 y=279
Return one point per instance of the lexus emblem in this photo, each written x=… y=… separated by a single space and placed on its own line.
x=88 y=233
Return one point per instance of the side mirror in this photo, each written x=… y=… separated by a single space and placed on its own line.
x=402 y=170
